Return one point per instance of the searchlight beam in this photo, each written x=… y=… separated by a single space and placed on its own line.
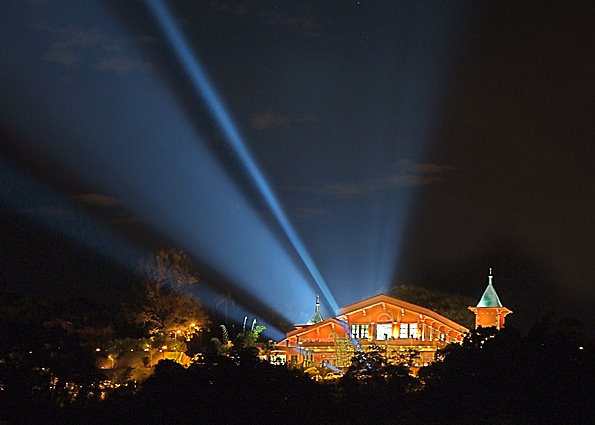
x=205 y=90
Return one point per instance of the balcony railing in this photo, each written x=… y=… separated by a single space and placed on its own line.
x=393 y=342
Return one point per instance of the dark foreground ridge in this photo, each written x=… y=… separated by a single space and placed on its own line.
x=493 y=377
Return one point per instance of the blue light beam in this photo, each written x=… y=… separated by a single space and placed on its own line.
x=206 y=91
x=131 y=140
x=30 y=197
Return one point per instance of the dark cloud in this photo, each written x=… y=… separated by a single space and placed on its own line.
x=346 y=190
x=41 y=211
x=406 y=174
x=304 y=24
x=68 y=48
x=62 y=57
x=107 y=207
x=294 y=21
x=227 y=7
x=35 y=2
x=96 y=199
x=270 y=120
x=305 y=213
x=121 y=65
x=77 y=47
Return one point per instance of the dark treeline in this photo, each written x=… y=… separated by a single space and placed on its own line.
x=494 y=377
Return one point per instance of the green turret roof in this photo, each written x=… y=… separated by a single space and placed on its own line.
x=316 y=317
x=489 y=297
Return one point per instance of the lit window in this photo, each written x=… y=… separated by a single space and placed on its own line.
x=279 y=359
x=413 y=333
x=359 y=330
x=384 y=331
x=409 y=330
x=404 y=330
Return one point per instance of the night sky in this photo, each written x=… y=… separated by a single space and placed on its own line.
x=405 y=142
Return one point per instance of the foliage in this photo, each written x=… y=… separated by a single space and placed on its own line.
x=492 y=377
x=368 y=363
x=244 y=349
x=248 y=337
x=222 y=345
x=505 y=377
x=171 y=267
x=47 y=371
x=42 y=369
x=165 y=302
x=408 y=357
x=224 y=392
x=116 y=347
x=344 y=349
x=452 y=306
x=373 y=362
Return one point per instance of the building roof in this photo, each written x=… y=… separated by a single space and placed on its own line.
x=489 y=297
x=331 y=321
x=382 y=298
x=316 y=317
x=341 y=321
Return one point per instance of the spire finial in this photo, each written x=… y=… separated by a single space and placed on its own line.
x=490 y=277
x=317 y=317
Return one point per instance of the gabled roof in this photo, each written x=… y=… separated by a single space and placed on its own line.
x=382 y=298
x=303 y=330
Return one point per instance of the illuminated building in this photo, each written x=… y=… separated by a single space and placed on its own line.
x=392 y=324
x=490 y=311
x=380 y=320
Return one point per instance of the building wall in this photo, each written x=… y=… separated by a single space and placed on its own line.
x=384 y=321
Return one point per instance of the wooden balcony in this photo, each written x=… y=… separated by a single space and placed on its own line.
x=392 y=342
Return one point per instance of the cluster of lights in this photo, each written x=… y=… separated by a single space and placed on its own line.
x=187 y=333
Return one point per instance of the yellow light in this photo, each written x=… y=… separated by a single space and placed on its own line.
x=192 y=325
x=98 y=349
x=178 y=331
x=164 y=347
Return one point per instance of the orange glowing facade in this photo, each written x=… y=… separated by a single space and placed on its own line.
x=383 y=321
x=379 y=320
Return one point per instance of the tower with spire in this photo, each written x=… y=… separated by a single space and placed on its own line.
x=490 y=311
x=316 y=317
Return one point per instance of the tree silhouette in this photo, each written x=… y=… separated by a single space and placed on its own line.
x=452 y=306
x=165 y=300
